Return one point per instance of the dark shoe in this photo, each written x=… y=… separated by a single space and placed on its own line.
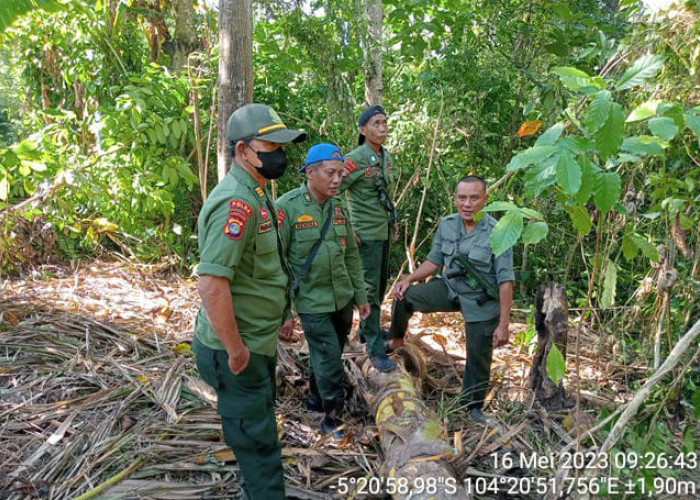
x=391 y=350
x=383 y=363
x=478 y=416
x=314 y=403
x=331 y=426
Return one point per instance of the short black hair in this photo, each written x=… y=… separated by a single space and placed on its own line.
x=315 y=164
x=474 y=178
x=232 y=145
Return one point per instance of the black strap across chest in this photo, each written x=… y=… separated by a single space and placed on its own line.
x=296 y=284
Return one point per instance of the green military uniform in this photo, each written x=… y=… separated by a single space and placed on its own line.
x=334 y=283
x=238 y=238
x=364 y=167
x=454 y=294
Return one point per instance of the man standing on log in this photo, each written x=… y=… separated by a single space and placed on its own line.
x=476 y=282
x=328 y=281
x=243 y=284
x=369 y=171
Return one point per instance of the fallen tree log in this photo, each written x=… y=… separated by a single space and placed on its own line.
x=410 y=435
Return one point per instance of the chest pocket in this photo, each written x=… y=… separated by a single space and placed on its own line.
x=311 y=234
x=481 y=258
x=267 y=261
x=448 y=247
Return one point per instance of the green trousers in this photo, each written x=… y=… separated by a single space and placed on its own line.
x=433 y=297
x=247 y=408
x=375 y=262
x=327 y=334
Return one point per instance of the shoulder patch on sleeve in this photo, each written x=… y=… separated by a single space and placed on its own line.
x=350 y=166
x=241 y=206
x=237 y=218
x=234 y=228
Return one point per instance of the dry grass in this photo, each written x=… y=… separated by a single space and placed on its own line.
x=97 y=384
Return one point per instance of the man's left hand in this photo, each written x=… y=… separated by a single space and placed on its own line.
x=500 y=335
x=287 y=332
x=364 y=310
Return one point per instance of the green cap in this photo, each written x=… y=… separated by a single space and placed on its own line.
x=259 y=121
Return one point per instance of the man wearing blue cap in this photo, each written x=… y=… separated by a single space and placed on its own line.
x=369 y=171
x=327 y=279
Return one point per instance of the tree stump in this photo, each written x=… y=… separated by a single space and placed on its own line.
x=411 y=437
x=552 y=324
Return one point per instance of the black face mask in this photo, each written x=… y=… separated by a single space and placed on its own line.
x=274 y=163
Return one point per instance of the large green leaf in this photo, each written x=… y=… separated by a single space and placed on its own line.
x=506 y=232
x=12 y=9
x=530 y=213
x=540 y=176
x=580 y=218
x=577 y=144
x=642 y=145
x=551 y=135
x=568 y=173
x=598 y=111
x=587 y=180
x=499 y=206
x=643 y=68
x=607 y=298
x=535 y=232
x=608 y=139
x=664 y=127
x=648 y=249
x=575 y=79
x=533 y=155
x=607 y=190
x=643 y=111
x=693 y=122
x=629 y=247
x=556 y=365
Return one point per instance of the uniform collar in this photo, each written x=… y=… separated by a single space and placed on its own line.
x=309 y=199
x=372 y=153
x=480 y=226
x=245 y=178
x=242 y=175
x=306 y=194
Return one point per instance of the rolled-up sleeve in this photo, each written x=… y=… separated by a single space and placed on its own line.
x=222 y=239
x=436 y=256
x=504 y=267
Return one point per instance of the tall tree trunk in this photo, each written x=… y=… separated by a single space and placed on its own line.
x=373 y=52
x=235 y=67
x=185 y=32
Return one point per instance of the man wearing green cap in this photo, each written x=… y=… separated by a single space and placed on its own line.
x=327 y=275
x=369 y=171
x=243 y=285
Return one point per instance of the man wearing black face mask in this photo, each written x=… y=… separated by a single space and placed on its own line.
x=243 y=284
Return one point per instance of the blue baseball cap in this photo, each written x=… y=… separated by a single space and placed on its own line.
x=322 y=152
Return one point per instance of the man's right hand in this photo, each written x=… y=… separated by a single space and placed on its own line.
x=238 y=360
x=400 y=289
